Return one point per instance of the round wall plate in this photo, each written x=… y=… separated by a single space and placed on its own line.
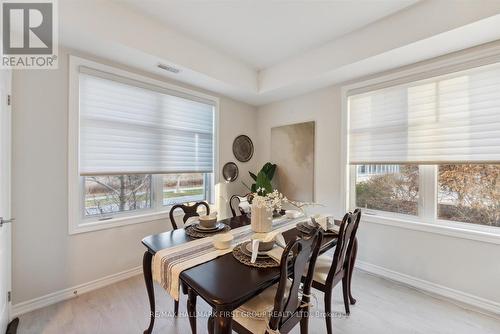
x=243 y=148
x=230 y=172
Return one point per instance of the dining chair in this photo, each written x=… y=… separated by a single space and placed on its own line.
x=189 y=211
x=234 y=204
x=279 y=308
x=330 y=271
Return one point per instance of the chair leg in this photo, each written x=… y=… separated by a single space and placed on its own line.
x=176 y=308
x=345 y=291
x=328 y=311
x=304 y=324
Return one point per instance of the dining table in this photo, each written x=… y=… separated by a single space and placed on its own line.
x=224 y=282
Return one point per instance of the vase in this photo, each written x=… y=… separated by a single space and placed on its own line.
x=261 y=220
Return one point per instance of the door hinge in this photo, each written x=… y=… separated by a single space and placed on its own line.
x=8 y=100
x=9 y=296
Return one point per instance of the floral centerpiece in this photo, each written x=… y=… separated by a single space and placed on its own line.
x=263 y=205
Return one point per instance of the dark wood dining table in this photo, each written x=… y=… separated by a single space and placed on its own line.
x=224 y=283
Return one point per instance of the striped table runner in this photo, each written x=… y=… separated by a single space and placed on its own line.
x=168 y=263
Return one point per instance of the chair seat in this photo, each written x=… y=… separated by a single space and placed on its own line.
x=254 y=314
x=323 y=264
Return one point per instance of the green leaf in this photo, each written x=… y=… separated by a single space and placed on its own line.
x=269 y=169
x=263 y=183
x=270 y=172
x=254 y=177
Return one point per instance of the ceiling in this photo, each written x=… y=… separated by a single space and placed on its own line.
x=263 y=33
x=261 y=51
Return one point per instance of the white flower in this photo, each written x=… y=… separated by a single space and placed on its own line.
x=272 y=201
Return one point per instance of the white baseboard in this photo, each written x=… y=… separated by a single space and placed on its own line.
x=463 y=299
x=58 y=296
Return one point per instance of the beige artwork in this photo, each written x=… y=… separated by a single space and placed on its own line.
x=292 y=150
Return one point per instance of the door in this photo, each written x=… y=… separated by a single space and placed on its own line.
x=5 y=228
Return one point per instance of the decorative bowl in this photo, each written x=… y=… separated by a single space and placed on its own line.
x=208 y=221
x=222 y=241
x=291 y=214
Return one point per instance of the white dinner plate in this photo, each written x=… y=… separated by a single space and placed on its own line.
x=199 y=228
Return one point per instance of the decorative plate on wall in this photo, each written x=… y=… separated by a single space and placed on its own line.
x=243 y=148
x=230 y=172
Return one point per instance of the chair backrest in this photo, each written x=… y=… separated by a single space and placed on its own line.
x=347 y=233
x=298 y=257
x=189 y=211
x=234 y=204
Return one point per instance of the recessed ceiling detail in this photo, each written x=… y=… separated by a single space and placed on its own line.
x=263 y=33
x=263 y=51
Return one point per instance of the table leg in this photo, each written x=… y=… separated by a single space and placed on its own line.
x=191 y=307
x=222 y=322
x=148 y=279
x=351 y=268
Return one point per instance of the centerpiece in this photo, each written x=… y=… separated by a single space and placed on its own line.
x=263 y=206
x=265 y=199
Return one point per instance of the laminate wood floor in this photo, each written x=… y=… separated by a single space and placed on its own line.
x=383 y=307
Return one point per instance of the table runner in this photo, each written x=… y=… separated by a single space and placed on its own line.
x=168 y=263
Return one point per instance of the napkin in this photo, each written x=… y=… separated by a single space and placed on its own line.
x=191 y=220
x=322 y=220
x=276 y=254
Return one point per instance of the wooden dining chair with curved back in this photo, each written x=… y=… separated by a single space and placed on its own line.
x=189 y=211
x=234 y=204
x=288 y=301
x=330 y=271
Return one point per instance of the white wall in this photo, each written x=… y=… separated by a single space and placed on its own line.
x=468 y=266
x=45 y=258
x=323 y=107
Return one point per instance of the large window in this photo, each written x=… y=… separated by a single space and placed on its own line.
x=137 y=147
x=108 y=196
x=428 y=149
x=469 y=193
x=391 y=188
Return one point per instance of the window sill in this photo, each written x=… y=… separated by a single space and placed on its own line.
x=90 y=226
x=450 y=229
x=119 y=221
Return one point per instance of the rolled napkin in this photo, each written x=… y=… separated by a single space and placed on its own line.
x=257 y=238
x=280 y=240
x=255 y=250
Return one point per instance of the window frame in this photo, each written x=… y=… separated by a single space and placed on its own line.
x=77 y=222
x=426 y=220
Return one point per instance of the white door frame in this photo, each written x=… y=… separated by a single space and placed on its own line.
x=5 y=173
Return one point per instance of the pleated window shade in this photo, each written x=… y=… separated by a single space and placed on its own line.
x=129 y=127
x=450 y=118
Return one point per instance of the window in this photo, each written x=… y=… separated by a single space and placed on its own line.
x=428 y=149
x=469 y=193
x=109 y=195
x=181 y=188
x=391 y=188
x=106 y=195
x=137 y=146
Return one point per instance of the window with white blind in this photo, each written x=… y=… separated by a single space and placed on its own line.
x=428 y=149
x=137 y=146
